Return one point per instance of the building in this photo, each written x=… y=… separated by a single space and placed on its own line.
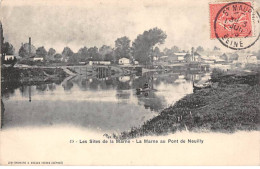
x=180 y=56
x=124 y=61
x=196 y=57
x=82 y=63
x=104 y=62
x=209 y=56
x=9 y=57
x=163 y=57
x=38 y=58
x=246 y=59
x=99 y=62
x=124 y=78
x=155 y=58
x=229 y=57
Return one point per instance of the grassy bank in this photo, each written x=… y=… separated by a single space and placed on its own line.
x=12 y=78
x=232 y=103
x=31 y=74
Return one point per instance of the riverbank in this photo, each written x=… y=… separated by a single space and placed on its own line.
x=12 y=78
x=231 y=104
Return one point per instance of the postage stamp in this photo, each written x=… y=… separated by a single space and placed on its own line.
x=235 y=24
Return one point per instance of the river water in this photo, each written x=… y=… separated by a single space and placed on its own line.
x=106 y=105
x=40 y=121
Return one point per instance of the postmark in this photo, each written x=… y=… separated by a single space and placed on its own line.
x=235 y=24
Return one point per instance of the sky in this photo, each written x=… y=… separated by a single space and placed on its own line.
x=60 y=23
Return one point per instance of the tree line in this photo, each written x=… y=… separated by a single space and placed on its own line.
x=142 y=49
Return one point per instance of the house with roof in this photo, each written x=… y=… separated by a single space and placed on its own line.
x=246 y=58
x=38 y=58
x=195 y=57
x=209 y=56
x=180 y=56
x=229 y=57
x=124 y=61
x=9 y=57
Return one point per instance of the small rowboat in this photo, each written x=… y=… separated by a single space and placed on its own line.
x=144 y=90
x=201 y=86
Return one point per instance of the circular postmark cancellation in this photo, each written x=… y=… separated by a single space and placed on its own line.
x=236 y=25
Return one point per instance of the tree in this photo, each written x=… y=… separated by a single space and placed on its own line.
x=175 y=49
x=24 y=50
x=109 y=57
x=67 y=52
x=143 y=44
x=156 y=51
x=74 y=58
x=51 y=52
x=167 y=51
x=8 y=49
x=57 y=56
x=104 y=50
x=83 y=54
x=199 y=49
x=122 y=48
x=93 y=54
x=41 y=51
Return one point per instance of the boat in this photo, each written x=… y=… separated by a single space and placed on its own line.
x=144 y=91
x=139 y=90
x=201 y=86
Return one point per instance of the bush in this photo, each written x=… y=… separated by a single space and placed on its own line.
x=216 y=74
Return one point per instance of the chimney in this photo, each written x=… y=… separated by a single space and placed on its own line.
x=29 y=46
x=192 y=54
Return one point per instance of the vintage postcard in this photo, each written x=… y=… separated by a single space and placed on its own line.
x=130 y=82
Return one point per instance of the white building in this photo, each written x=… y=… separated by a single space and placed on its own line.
x=37 y=58
x=9 y=57
x=124 y=78
x=99 y=63
x=82 y=63
x=180 y=56
x=155 y=58
x=105 y=63
x=163 y=57
x=124 y=61
x=252 y=59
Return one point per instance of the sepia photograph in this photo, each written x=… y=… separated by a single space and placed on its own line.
x=130 y=82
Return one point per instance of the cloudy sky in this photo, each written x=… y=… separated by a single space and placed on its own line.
x=60 y=23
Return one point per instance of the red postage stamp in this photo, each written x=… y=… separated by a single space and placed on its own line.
x=229 y=21
x=232 y=20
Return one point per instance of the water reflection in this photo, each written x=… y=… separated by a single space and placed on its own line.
x=107 y=103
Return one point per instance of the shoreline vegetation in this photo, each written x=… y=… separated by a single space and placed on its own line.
x=12 y=78
x=231 y=104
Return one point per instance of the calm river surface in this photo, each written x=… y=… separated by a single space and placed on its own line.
x=100 y=104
